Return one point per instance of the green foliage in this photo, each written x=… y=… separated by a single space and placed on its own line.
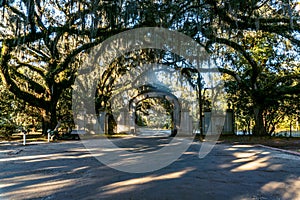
x=274 y=79
x=255 y=43
x=258 y=47
x=155 y=113
x=44 y=42
x=15 y=114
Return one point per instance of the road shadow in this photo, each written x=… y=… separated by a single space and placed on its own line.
x=68 y=171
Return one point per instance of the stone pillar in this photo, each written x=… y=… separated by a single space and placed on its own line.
x=228 y=126
x=93 y=125
x=185 y=123
x=123 y=125
x=90 y=123
x=132 y=123
x=102 y=121
x=206 y=121
x=191 y=125
x=80 y=120
x=216 y=124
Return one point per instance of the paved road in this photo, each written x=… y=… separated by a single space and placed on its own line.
x=68 y=171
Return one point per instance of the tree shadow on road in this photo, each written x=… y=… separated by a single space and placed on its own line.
x=68 y=171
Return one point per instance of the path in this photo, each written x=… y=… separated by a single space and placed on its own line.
x=67 y=171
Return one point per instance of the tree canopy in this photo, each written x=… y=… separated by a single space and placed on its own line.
x=255 y=43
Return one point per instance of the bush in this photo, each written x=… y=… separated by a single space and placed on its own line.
x=6 y=130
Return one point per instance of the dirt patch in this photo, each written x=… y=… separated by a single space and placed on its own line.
x=292 y=144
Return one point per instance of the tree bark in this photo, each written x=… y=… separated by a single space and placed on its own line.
x=49 y=118
x=259 y=127
x=46 y=121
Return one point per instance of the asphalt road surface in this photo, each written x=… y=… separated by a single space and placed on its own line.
x=67 y=170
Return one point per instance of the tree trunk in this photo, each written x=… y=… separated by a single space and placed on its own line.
x=49 y=120
x=249 y=126
x=46 y=121
x=259 y=127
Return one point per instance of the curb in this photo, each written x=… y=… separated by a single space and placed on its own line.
x=281 y=150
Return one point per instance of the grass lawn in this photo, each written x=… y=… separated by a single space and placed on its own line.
x=292 y=144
